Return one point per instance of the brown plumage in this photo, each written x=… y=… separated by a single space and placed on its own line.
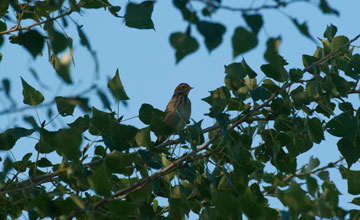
x=177 y=111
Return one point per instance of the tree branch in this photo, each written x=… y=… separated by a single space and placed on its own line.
x=17 y=28
x=250 y=9
x=330 y=165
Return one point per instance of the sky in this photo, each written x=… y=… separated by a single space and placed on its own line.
x=146 y=63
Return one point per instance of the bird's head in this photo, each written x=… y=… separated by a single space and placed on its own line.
x=182 y=88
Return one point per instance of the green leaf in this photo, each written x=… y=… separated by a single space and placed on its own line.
x=338 y=42
x=65 y=106
x=32 y=40
x=254 y=21
x=315 y=131
x=330 y=32
x=7 y=139
x=93 y=4
x=101 y=122
x=139 y=15
x=349 y=150
x=31 y=96
x=212 y=32
x=279 y=75
x=120 y=162
x=240 y=70
x=58 y=41
x=124 y=208
x=312 y=185
x=117 y=88
x=104 y=99
x=184 y=45
x=259 y=94
x=309 y=61
x=353 y=182
x=343 y=125
x=296 y=75
x=3 y=26
x=303 y=28
x=145 y=113
x=123 y=136
x=62 y=66
x=43 y=162
x=98 y=181
x=272 y=53
x=243 y=41
x=143 y=137
x=294 y=197
x=194 y=134
x=81 y=123
x=151 y=159
x=66 y=142
x=326 y=9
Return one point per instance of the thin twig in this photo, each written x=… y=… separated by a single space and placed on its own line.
x=330 y=165
x=16 y=28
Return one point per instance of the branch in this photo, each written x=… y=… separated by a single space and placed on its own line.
x=17 y=28
x=250 y=9
x=123 y=193
x=330 y=165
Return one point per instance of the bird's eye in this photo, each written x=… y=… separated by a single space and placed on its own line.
x=183 y=87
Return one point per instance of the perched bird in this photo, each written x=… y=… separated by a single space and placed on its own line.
x=178 y=110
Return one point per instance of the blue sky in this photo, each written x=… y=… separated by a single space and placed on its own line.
x=147 y=66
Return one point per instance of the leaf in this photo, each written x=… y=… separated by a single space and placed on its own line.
x=353 y=182
x=7 y=139
x=58 y=41
x=296 y=75
x=338 y=42
x=303 y=28
x=101 y=122
x=343 y=125
x=259 y=94
x=143 y=137
x=145 y=113
x=31 y=96
x=66 y=142
x=123 y=136
x=272 y=53
x=240 y=70
x=81 y=123
x=32 y=40
x=349 y=150
x=152 y=160
x=315 y=131
x=184 y=45
x=330 y=32
x=326 y=9
x=62 y=66
x=114 y=10
x=312 y=185
x=117 y=88
x=139 y=15
x=65 y=106
x=104 y=99
x=243 y=41
x=254 y=21
x=279 y=75
x=98 y=181
x=212 y=32
x=43 y=162
x=294 y=197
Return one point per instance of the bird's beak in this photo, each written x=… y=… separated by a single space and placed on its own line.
x=191 y=88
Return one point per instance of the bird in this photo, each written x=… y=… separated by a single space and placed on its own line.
x=178 y=110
